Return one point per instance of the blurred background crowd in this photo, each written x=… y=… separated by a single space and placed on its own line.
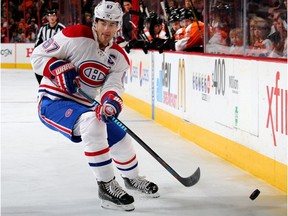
x=234 y=27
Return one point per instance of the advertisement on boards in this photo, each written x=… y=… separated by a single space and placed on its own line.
x=24 y=51
x=138 y=78
x=166 y=69
x=273 y=110
x=8 y=53
x=238 y=99
x=16 y=55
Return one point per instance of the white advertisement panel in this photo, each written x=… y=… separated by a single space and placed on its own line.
x=199 y=110
x=138 y=79
x=208 y=92
x=24 y=51
x=16 y=53
x=226 y=96
x=273 y=110
x=242 y=88
x=8 y=53
x=166 y=83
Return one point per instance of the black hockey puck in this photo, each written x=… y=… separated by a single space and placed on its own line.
x=255 y=194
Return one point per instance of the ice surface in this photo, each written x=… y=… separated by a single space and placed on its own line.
x=44 y=174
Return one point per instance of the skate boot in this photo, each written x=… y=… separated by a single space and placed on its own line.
x=114 y=197
x=142 y=185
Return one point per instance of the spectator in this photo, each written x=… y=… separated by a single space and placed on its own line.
x=12 y=10
x=127 y=28
x=88 y=20
x=33 y=25
x=15 y=38
x=198 y=6
x=217 y=34
x=19 y=14
x=86 y=12
x=87 y=7
x=187 y=4
x=236 y=41
x=172 y=4
x=273 y=32
x=32 y=31
x=280 y=45
x=27 y=3
x=260 y=44
x=21 y=28
x=12 y=27
x=4 y=30
x=23 y=38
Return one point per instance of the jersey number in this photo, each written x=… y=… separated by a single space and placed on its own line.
x=50 y=45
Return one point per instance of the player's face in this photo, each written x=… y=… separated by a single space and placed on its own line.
x=157 y=29
x=186 y=22
x=176 y=25
x=105 y=31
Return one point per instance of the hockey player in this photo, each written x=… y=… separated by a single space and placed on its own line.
x=192 y=36
x=86 y=57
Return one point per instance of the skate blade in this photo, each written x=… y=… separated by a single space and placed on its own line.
x=109 y=205
x=143 y=194
x=154 y=195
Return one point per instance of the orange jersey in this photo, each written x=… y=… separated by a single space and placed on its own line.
x=180 y=33
x=192 y=37
x=161 y=35
x=259 y=45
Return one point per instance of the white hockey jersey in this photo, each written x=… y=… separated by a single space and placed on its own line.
x=99 y=70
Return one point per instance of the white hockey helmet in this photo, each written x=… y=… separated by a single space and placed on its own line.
x=108 y=10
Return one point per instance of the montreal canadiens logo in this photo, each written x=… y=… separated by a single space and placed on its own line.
x=68 y=113
x=93 y=73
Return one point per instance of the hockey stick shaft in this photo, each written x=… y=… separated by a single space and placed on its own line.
x=162 y=4
x=196 y=19
x=188 y=181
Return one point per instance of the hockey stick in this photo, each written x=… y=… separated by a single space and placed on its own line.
x=188 y=181
x=196 y=19
x=145 y=39
x=162 y=4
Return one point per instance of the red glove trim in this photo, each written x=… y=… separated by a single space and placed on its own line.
x=106 y=95
x=46 y=71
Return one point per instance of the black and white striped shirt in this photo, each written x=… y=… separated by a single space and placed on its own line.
x=46 y=32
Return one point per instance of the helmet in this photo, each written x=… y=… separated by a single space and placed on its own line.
x=108 y=10
x=51 y=11
x=186 y=14
x=152 y=15
x=174 y=18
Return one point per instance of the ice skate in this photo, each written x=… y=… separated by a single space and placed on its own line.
x=142 y=185
x=114 y=197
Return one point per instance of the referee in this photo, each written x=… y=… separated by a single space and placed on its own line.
x=48 y=30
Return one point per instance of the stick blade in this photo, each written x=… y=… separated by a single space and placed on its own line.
x=191 y=180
